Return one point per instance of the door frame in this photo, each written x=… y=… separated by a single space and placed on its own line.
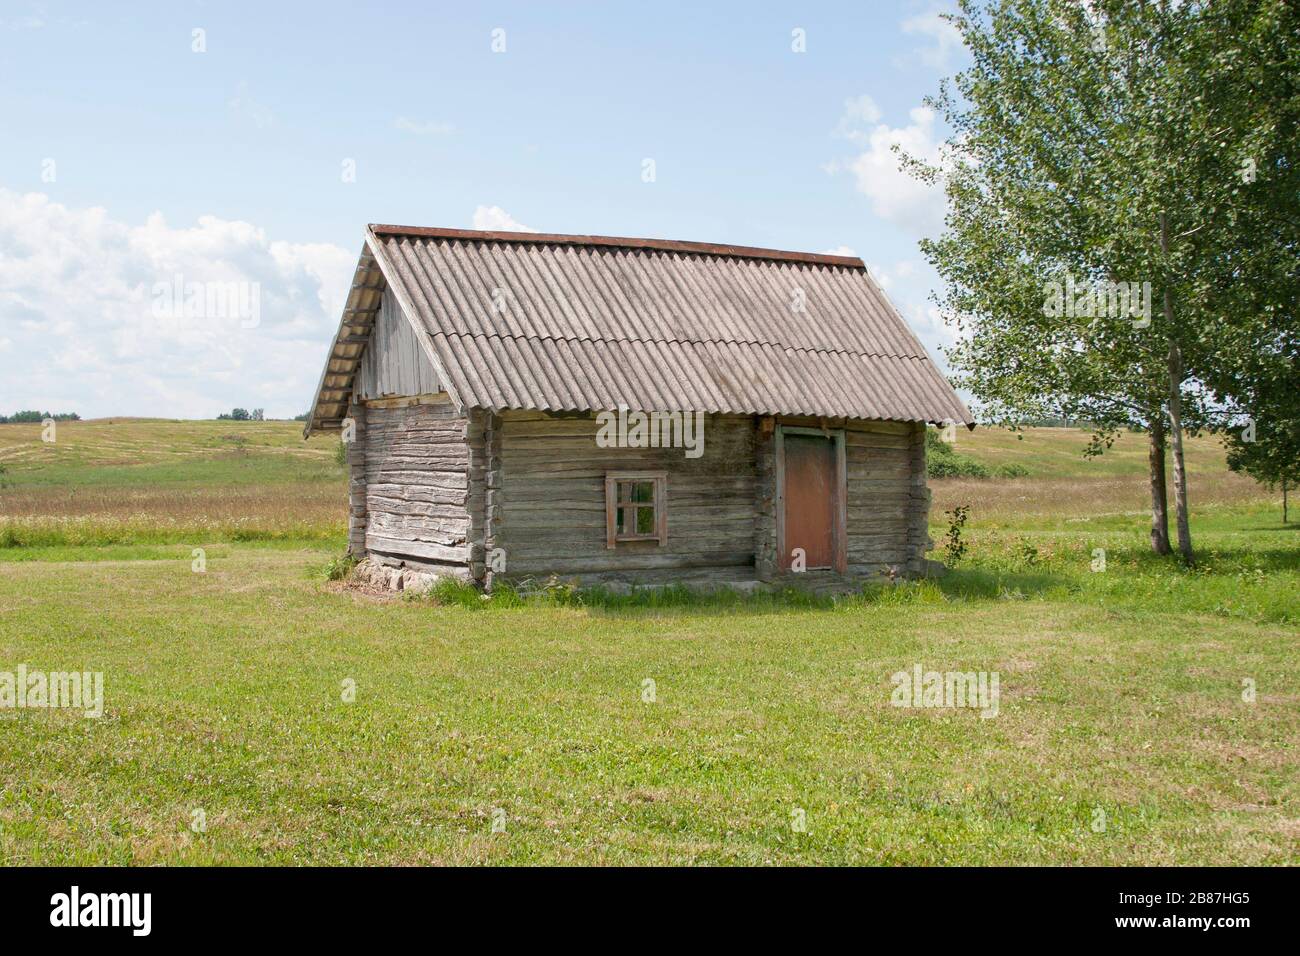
x=839 y=509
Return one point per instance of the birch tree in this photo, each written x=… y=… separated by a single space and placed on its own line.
x=1087 y=215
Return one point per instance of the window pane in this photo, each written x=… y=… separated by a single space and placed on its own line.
x=645 y=520
x=635 y=515
x=637 y=491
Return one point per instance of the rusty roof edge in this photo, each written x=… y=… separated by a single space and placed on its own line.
x=618 y=242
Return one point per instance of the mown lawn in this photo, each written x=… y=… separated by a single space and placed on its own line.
x=224 y=693
x=1122 y=733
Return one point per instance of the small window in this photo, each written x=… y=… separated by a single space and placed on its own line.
x=634 y=507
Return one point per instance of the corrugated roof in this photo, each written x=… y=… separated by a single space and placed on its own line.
x=587 y=323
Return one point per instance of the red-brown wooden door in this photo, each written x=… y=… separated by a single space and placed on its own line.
x=809 y=490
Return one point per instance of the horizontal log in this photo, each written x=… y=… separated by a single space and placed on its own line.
x=613 y=561
x=517 y=469
x=422 y=479
x=417 y=536
x=892 y=441
x=417 y=549
x=581 y=545
x=427 y=459
x=428 y=400
x=415 y=513
x=543 y=440
x=572 y=521
x=423 y=493
x=705 y=576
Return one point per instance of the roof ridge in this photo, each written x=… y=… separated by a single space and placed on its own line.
x=620 y=242
x=678 y=341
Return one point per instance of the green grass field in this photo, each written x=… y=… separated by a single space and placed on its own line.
x=1123 y=736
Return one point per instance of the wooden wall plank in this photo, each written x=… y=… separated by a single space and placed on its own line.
x=394 y=364
x=417 y=468
x=553 y=517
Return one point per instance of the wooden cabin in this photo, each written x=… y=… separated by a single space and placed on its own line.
x=628 y=411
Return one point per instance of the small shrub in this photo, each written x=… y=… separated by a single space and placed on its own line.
x=340 y=567
x=954 y=546
x=341 y=454
x=942 y=460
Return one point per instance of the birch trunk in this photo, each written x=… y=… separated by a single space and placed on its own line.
x=1176 y=434
x=1176 y=410
x=1159 y=497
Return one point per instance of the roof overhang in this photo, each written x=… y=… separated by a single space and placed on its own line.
x=344 y=357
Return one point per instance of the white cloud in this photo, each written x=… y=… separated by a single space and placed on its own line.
x=496 y=219
x=839 y=251
x=858 y=112
x=927 y=322
x=881 y=275
x=902 y=271
x=877 y=172
x=81 y=296
x=946 y=39
x=430 y=128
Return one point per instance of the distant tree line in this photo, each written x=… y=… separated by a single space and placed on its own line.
x=242 y=415
x=1051 y=421
x=37 y=417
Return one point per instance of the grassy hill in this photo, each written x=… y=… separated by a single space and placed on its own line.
x=132 y=481
x=1061 y=484
x=130 y=451
x=127 y=479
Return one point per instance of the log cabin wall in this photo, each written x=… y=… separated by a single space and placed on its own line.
x=357 y=490
x=918 y=526
x=417 y=473
x=438 y=489
x=882 y=508
x=549 y=508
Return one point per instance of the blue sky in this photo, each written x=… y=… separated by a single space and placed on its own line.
x=130 y=158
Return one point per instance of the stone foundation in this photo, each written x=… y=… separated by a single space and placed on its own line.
x=384 y=577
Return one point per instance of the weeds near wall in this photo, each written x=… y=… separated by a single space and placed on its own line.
x=339 y=568
x=954 y=547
